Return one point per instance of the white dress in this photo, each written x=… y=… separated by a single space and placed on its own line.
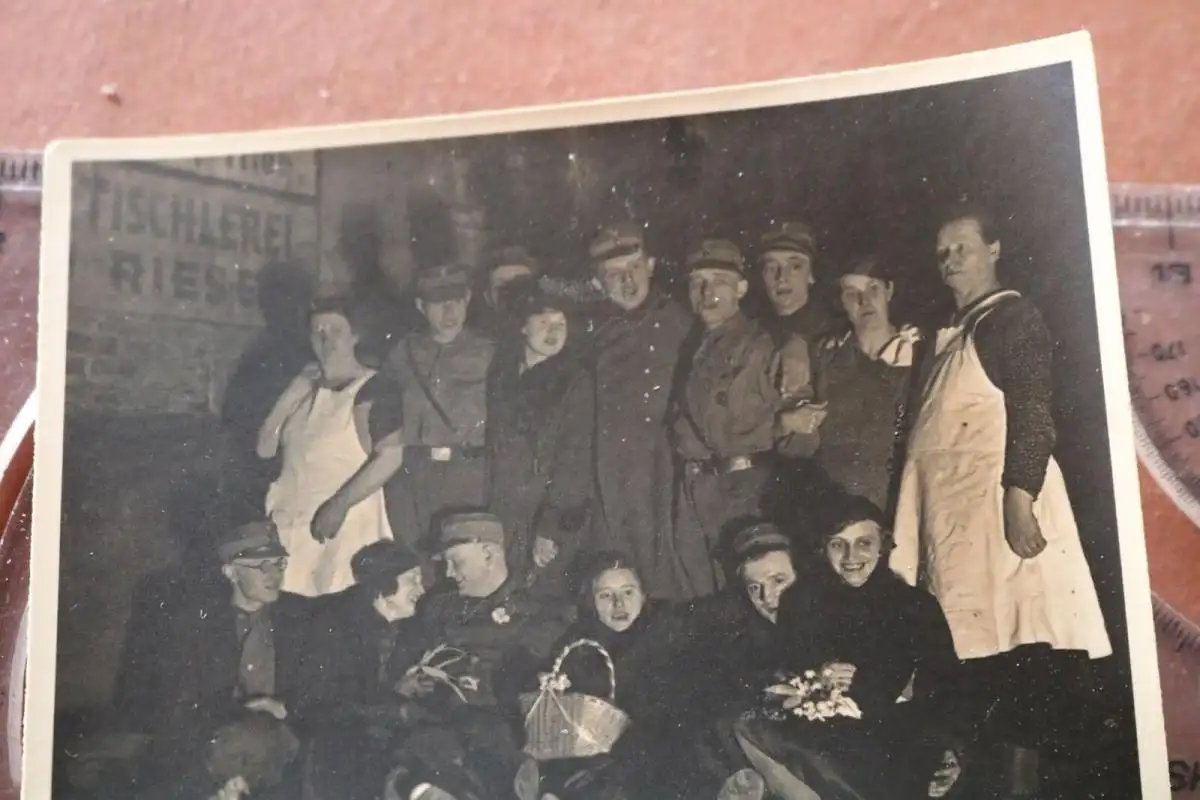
x=321 y=450
x=949 y=528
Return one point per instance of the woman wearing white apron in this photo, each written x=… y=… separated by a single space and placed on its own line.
x=983 y=518
x=327 y=501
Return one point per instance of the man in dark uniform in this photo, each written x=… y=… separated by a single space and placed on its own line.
x=724 y=417
x=636 y=356
x=498 y=624
x=442 y=375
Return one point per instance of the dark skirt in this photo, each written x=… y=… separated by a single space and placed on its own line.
x=466 y=752
x=840 y=761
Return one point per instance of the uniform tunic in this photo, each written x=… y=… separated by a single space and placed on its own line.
x=865 y=400
x=496 y=632
x=950 y=517
x=812 y=322
x=444 y=465
x=636 y=355
x=321 y=451
x=725 y=410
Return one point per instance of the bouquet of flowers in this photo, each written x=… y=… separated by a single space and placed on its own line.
x=444 y=665
x=812 y=696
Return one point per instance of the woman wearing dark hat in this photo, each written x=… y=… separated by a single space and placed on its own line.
x=364 y=747
x=863 y=380
x=507 y=271
x=364 y=656
x=540 y=425
x=858 y=629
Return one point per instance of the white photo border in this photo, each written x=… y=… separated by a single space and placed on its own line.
x=1074 y=49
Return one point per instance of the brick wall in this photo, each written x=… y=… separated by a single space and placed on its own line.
x=148 y=365
x=165 y=267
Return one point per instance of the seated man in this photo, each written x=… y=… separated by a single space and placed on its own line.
x=216 y=664
x=475 y=635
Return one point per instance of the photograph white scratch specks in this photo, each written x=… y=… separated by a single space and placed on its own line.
x=766 y=441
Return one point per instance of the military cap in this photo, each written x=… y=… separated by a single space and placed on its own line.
x=478 y=527
x=513 y=256
x=794 y=236
x=616 y=240
x=717 y=254
x=252 y=540
x=443 y=282
x=759 y=534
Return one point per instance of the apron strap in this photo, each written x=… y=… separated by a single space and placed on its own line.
x=985 y=307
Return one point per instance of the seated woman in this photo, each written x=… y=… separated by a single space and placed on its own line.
x=374 y=698
x=727 y=645
x=859 y=634
x=615 y=613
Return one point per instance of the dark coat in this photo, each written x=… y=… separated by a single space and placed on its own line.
x=634 y=358
x=633 y=654
x=540 y=435
x=359 y=655
x=496 y=631
x=888 y=630
x=682 y=680
x=891 y=633
x=180 y=672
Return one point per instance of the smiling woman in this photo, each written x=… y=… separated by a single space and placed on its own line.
x=875 y=640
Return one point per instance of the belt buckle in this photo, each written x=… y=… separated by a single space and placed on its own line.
x=738 y=463
x=440 y=453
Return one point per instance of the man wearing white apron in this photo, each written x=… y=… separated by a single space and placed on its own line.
x=983 y=518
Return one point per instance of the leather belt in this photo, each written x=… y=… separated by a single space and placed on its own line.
x=725 y=466
x=425 y=452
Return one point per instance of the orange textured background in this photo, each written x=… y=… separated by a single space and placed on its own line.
x=212 y=65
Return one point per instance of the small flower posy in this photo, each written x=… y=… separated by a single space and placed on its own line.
x=436 y=664
x=551 y=682
x=814 y=697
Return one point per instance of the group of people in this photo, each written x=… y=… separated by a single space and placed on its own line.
x=799 y=554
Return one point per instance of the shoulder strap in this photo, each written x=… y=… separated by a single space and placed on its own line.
x=918 y=375
x=679 y=379
x=362 y=380
x=425 y=390
x=977 y=314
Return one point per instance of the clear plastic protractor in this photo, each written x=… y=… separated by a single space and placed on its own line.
x=1157 y=234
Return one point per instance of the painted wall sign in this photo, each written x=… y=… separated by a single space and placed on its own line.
x=295 y=173
x=152 y=239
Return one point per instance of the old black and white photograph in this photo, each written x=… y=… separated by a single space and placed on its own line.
x=767 y=442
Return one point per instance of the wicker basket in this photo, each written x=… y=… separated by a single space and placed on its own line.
x=563 y=724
